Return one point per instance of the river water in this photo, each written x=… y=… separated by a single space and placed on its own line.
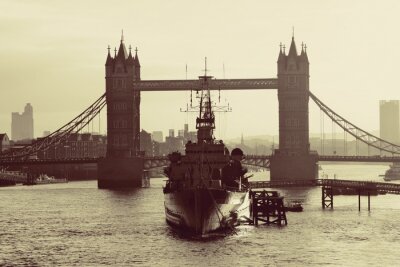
x=76 y=224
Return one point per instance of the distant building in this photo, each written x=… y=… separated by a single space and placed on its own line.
x=77 y=146
x=22 y=124
x=158 y=136
x=4 y=142
x=185 y=130
x=99 y=145
x=246 y=149
x=87 y=140
x=389 y=115
x=146 y=144
x=156 y=148
x=172 y=143
x=192 y=136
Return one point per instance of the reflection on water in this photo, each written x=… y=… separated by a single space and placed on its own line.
x=78 y=224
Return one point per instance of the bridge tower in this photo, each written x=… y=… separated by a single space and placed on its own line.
x=293 y=159
x=122 y=166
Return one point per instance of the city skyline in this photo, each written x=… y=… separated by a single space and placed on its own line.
x=22 y=124
x=389 y=113
x=58 y=60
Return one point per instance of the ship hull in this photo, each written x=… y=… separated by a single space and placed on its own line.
x=201 y=211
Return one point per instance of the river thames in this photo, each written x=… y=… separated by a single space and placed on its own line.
x=76 y=224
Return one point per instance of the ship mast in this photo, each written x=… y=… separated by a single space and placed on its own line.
x=205 y=123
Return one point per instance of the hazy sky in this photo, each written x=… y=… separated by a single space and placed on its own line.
x=53 y=55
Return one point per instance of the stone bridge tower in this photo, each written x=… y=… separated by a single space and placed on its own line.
x=122 y=166
x=293 y=159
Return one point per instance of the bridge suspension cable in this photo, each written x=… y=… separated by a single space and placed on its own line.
x=60 y=135
x=361 y=135
x=333 y=138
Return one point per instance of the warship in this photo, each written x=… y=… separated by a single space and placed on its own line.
x=198 y=197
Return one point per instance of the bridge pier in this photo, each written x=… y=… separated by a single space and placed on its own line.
x=327 y=197
x=120 y=172
x=359 y=199
x=145 y=178
x=284 y=166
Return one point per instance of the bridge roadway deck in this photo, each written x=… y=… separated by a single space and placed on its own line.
x=255 y=160
x=16 y=162
x=381 y=187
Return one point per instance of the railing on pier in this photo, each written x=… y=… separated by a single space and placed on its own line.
x=380 y=187
x=376 y=158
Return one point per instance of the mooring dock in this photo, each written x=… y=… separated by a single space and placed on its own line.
x=330 y=186
x=267 y=207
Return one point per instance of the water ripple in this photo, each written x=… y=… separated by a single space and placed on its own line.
x=76 y=224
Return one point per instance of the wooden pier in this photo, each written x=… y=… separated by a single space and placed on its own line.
x=267 y=207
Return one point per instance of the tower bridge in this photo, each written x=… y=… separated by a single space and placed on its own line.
x=124 y=164
x=124 y=86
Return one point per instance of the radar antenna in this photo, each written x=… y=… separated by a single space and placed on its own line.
x=205 y=122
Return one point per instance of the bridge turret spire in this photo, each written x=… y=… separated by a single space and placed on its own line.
x=130 y=60
x=282 y=55
x=137 y=63
x=109 y=60
x=303 y=55
x=122 y=53
x=292 y=50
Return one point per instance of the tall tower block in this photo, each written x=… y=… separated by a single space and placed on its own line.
x=122 y=166
x=293 y=160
